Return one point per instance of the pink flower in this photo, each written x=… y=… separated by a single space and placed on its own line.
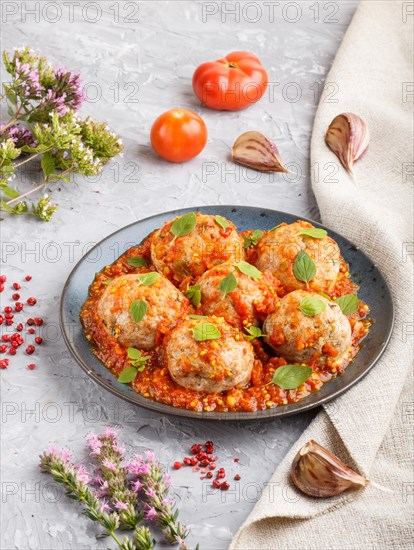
x=150 y=513
x=144 y=469
x=105 y=506
x=167 y=480
x=151 y=493
x=150 y=455
x=65 y=455
x=106 y=463
x=94 y=444
x=82 y=473
x=121 y=506
x=136 y=486
x=110 y=432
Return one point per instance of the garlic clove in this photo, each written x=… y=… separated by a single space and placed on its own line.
x=255 y=150
x=348 y=137
x=318 y=473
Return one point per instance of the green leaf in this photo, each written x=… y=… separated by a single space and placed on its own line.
x=325 y=295
x=39 y=149
x=138 y=309
x=206 y=331
x=311 y=306
x=228 y=284
x=248 y=269
x=314 y=232
x=222 y=222
x=193 y=293
x=253 y=239
x=9 y=192
x=254 y=332
x=304 y=267
x=10 y=111
x=11 y=96
x=275 y=227
x=127 y=375
x=198 y=316
x=290 y=377
x=148 y=279
x=134 y=353
x=184 y=225
x=48 y=164
x=7 y=169
x=137 y=261
x=348 y=303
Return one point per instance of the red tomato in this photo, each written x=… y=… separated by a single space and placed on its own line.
x=231 y=83
x=178 y=135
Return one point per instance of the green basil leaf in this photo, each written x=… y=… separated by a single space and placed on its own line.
x=248 y=269
x=304 y=267
x=222 y=222
x=137 y=261
x=184 y=225
x=127 y=375
x=348 y=303
x=48 y=164
x=134 y=353
x=254 y=332
x=275 y=227
x=138 y=309
x=253 y=239
x=148 y=279
x=314 y=232
x=206 y=331
x=311 y=306
x=193 y=293
x=228 y=284
x=290 y=377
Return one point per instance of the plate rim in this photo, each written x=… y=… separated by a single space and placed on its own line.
x=267 y=414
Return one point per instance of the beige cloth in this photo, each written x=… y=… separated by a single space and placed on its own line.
x=370 y=426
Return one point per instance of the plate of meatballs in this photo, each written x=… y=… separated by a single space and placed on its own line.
x=226 y=312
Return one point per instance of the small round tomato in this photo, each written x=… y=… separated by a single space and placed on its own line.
x=178 y=135
x=231 y=83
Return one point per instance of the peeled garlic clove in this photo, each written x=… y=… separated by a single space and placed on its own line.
x=348 y=137
x=319 y=473
x=255 y=150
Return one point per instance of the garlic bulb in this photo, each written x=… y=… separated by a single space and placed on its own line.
x=255 y=150
x=348 y=137
x=319 y=473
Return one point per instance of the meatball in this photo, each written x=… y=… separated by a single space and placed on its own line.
x=189 y=256
x=165 y=305
x=213 y=365
x=251 y=301
x=278 y=249
x=323 y=338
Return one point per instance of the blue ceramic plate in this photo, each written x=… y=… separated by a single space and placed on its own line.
x=374 y=291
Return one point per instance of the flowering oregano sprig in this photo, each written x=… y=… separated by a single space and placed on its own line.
x=155 y=483
x=116 y=494
x=42 y=102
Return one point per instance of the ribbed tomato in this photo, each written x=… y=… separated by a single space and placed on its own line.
x=231 y=83
x=178 y=135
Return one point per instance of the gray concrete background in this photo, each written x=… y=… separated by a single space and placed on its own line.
x=137 y=60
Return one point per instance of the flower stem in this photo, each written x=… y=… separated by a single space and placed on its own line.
x=31 y=157
x=40 y=186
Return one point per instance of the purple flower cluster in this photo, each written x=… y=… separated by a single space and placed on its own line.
x=20 y=135
x=64 y=93
x=28 y=80
x=123 y=488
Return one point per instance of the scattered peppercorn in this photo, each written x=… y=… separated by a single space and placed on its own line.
x=3 y=278
x=1 y=288
x=30 y=349
x=30 y=321
x=16 y=286
x=18 y=306
x=32 y=366
x=38 y=340
x=224 y=486
x=177 y=465
x=4 y=363
x=38 y=321
x=31 y=331
x=8 y=309
x=19 y=327
x=12 y=351
x=3 y=348
x=28 y=278
x=237 y=477
x=15 y=296
x=221 y=473
x=31 y=301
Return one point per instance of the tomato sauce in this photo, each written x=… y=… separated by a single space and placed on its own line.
x=155 y=382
